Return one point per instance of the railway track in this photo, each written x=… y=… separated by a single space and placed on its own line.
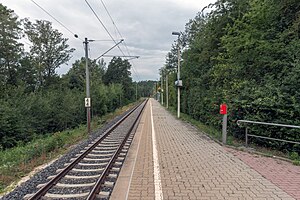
x=93 y=173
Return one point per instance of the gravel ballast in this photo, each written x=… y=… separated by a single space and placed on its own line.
x=29 y=186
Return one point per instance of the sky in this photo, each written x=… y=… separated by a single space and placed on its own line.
x=145 y=25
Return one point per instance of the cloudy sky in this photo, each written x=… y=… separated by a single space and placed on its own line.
x=146 y=26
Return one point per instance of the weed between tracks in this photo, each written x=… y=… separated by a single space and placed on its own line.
x=17 y=162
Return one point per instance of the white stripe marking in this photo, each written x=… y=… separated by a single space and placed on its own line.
x=157 y=181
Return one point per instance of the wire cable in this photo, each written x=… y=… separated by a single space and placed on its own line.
x=101 y=23
x=113 y=22
x=56 y=19
x=91 y=8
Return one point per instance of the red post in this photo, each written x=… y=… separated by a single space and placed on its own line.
x=223 y=111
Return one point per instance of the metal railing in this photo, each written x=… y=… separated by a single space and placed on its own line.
x=264 y=137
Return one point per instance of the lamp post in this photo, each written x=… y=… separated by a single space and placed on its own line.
x=161 y=87
x=167 y=89
x=178 y=74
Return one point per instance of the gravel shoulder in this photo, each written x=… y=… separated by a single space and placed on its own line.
x=40 y=174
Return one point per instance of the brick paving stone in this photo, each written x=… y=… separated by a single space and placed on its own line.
x=283 y=174
x=192 y=166
x=142 y=183
x=188 y=156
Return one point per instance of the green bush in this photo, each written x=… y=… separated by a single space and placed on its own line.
x=25 y=116
x=245 y=54
x=294 y=156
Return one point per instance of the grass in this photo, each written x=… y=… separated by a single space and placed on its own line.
x=17 y=162
x=234 y=142
x=208 y=130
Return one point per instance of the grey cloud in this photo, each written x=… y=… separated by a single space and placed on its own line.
x=146 y=26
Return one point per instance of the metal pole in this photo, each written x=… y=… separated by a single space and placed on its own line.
x=156 y=96
x=178 y=78
x=167 y=91
x=87 y=76
x=246 y=136
x=162 y=83
x=224 y=129
x=136 y=92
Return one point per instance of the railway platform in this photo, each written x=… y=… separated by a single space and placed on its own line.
x=170 y=159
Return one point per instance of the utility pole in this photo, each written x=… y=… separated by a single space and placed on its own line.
x=87 y=78
x=161 y=87
x=156 y=96
x=178 y=79
x=136 y=91
x=167 y=89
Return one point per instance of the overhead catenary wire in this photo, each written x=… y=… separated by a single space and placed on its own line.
x=110 y=16
x=113 y=22
x=91 y=8
x=96 y=15
x=69 y=30
x=125 y=45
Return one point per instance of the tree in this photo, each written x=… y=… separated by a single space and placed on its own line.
x=118 y=71
x=146 y=88
x=10 y=48
x=49 y=50
x=27 y=75
x=244 y=53
x=34 y=100
x=76 y=76
x=172 y=59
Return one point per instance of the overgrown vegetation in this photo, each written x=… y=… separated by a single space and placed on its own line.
x=18 y=161
x=34 y=99
x=244 y=53
x=41 y=113
x=22 y=159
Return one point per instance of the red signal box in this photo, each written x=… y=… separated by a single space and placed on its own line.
x=223 y=109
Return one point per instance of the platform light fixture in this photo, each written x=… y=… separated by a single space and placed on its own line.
x=178 y=73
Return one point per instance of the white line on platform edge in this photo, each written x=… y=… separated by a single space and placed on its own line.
x=157 y=180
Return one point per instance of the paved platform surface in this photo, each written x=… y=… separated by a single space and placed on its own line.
x=282 y=173
x=190 y=165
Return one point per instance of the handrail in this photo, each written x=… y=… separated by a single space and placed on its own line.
x=266 y=123
x=264 y=137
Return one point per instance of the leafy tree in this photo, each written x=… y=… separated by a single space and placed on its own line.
x=49 y=50
x=172 y=59
x=146 y=88
x=10 y=48
x=76 y=75
x=118 y=71
x=244 y=53
x=27 y=75
x=34 y=100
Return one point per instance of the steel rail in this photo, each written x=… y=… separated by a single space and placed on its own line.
x=42 y=191
x=96 y=189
